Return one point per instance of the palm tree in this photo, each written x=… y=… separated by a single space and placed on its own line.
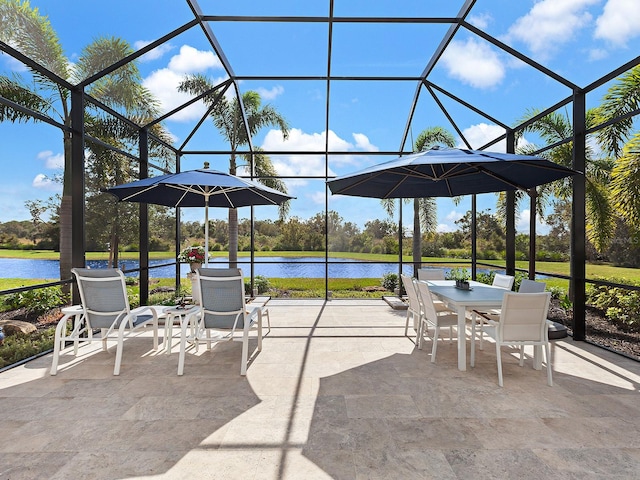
x=620 y=142
x=424 y=209
x=554 y=128
x=32 y=34
x=227 y=117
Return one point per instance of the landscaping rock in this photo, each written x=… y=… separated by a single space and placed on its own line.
x=163 y=290
x=11 y=327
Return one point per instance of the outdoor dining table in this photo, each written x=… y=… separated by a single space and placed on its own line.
x=479 y=296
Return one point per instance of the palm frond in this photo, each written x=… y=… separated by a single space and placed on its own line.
x=18 y=92
x=622 y=97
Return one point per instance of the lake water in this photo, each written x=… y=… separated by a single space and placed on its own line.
x=271 y=267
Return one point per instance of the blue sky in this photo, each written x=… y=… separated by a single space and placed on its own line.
x=579 y=39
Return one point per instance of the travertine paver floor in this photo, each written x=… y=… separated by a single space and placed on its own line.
x=337 y=392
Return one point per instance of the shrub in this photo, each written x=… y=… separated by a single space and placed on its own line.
x=22 y=346
x=458 y=253
x=260 y=282
x=621 y=305
x=557 y=292
x=390 y=281
x=37 y=301
x=489 y=255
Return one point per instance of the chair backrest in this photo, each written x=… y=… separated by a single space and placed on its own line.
x=431 y=274
x=412 y=294
x=523 y=316
x=103 y=293
x=222 y=297
x=531 y=286
x=503 y=281
x=426 y=300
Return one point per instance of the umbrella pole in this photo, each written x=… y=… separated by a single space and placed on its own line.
x=206 y=232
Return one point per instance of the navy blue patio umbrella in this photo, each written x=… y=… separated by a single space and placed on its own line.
x=198 y=188
x=449 y=172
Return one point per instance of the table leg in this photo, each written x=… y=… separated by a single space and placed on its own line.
x=462 y=338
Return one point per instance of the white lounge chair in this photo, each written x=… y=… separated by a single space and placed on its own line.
x=223 y=310
x=105 y=305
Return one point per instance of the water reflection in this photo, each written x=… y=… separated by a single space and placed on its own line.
x=270 y=267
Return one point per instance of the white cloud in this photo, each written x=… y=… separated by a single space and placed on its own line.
x=362 y=143
x=453 y=216
x=473 y=63
x=51 y=161
x=312 y=165
x=619 y=22
x=271 y=93
x=154 y=54
x=551 y=23
x=163 y=83
x=522 y=223
x=443 y=228
x=598 y=54
x=41 y=181
x=449 y=222
x=12 y=64
x=318 y=197
x=482 y=133
x=191 y=60
x=480 y=21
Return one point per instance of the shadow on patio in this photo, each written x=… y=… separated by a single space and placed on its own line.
x=337 y=392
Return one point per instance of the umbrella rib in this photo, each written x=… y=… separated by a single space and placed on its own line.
x=133 y=195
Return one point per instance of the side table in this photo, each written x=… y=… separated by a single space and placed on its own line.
x=175 y=314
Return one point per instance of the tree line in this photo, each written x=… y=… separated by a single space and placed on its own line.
x=379 y=236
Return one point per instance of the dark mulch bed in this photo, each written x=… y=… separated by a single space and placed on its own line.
x=41 y=322
x=600 y=331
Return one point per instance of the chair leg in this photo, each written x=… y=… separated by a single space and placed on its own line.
x=116 y=368
x=522 y=355
x=549 y=373
x=406 y=324
x=436 y=335
x=260 y=330
x=245 y=349
x=499 y=361
x=472 y=361
x=58 y=341
x=155 y=333
x=265 y=312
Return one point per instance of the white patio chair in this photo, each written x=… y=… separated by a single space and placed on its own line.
x=523 y=321
x=434 y=318
x=426 y=274
x=414 y=310
x=105 y=305
x=526 y=286
x=531 y=286
x=222 y=310
x=431 y=274
x=503 y=281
